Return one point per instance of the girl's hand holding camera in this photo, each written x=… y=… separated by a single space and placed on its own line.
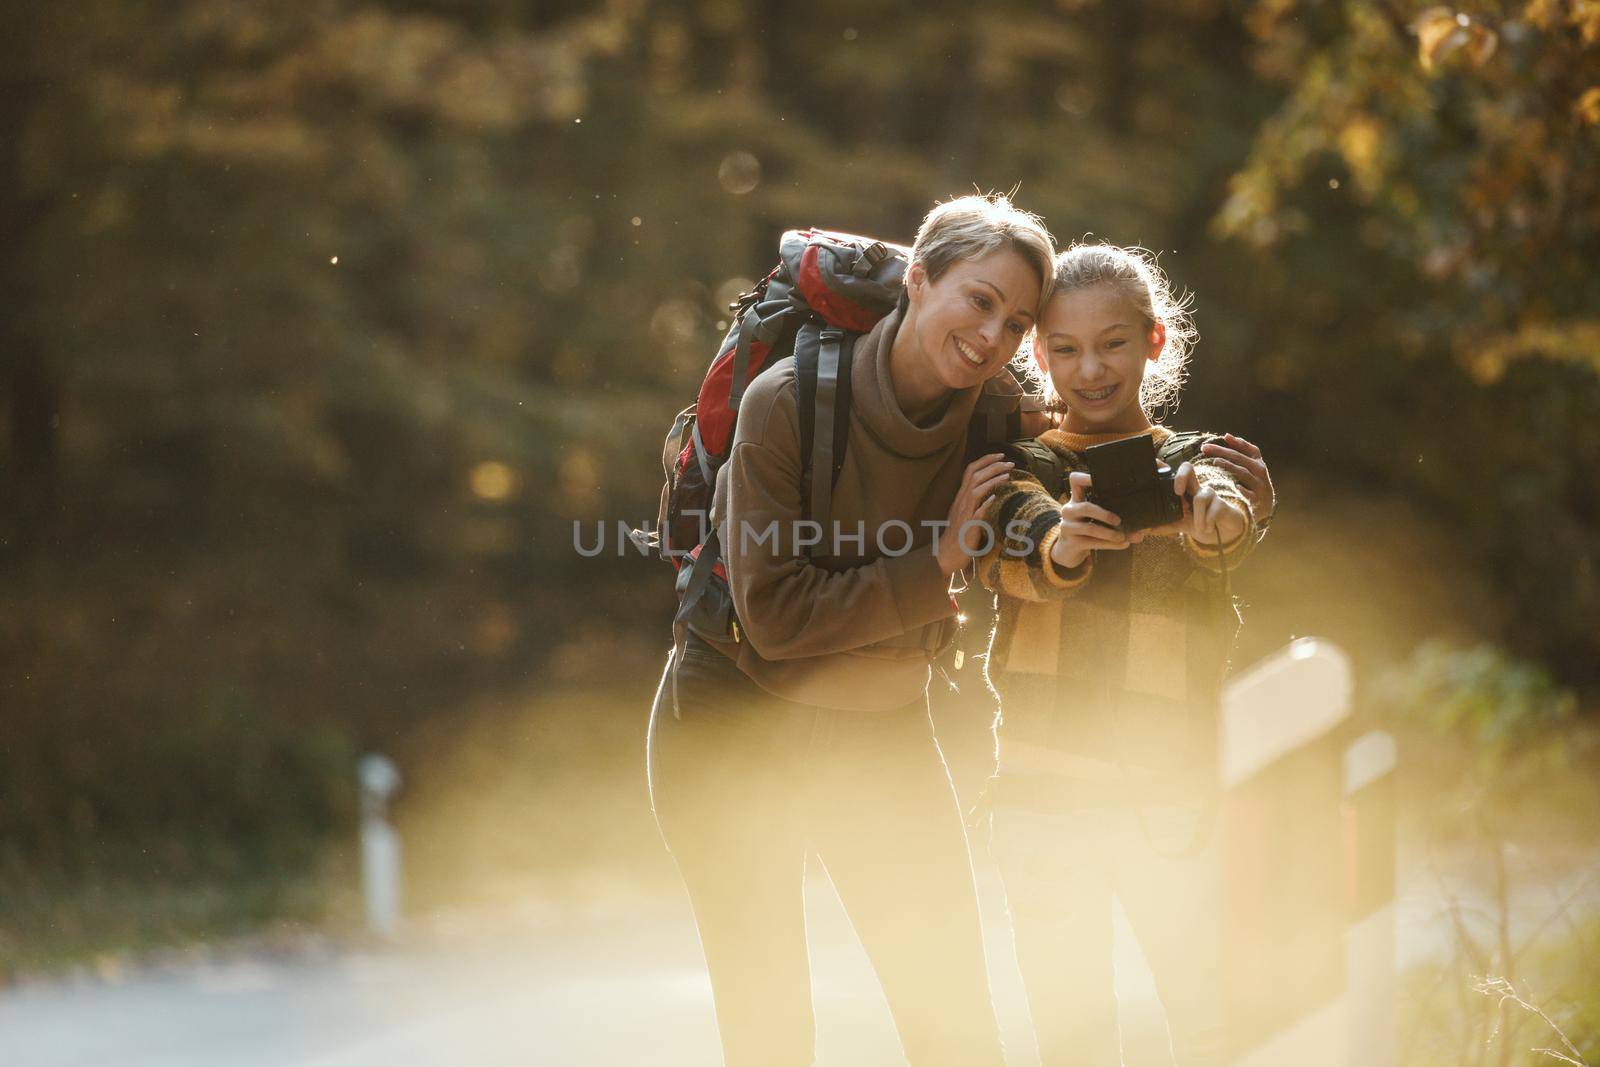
x=1086 y=527
x=1207 y=518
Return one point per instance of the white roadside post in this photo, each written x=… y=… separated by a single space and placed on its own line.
x=380 y=844
x=1369 y=800
x=1284 y=898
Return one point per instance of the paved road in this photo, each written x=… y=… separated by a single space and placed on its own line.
x=610 y=988
x=603 y=990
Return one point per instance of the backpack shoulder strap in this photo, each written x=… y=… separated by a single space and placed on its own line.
x=1184 y=447
x=997 y=416
x=822 y=361
x=1039 y=460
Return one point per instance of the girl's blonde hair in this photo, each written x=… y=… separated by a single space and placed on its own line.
x=1134 y=273
x=970 y=227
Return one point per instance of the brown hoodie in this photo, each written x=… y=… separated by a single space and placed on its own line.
x=841 y=630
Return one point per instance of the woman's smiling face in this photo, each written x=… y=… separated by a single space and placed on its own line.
x=1096 y=344
x=969 y=323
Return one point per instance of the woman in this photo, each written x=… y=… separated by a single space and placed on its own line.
x=812 y=733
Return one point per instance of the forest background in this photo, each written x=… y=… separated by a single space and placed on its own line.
x=327 y=320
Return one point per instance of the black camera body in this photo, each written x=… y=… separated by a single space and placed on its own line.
x=1128 y=484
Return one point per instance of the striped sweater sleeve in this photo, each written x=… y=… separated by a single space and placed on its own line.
x=1213 y=557
x=1026 y=521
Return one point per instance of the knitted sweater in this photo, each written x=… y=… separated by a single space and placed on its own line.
x=850 y=629
x=1113 y=666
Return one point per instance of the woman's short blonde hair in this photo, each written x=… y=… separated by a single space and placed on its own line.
x=970 y=227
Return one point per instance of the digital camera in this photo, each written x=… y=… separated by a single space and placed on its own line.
x=1128 y=484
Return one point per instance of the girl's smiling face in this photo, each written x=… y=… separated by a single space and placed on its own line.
x=1096 y=344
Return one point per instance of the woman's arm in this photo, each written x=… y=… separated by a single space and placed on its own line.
x=1242 y=460
x=789 y=607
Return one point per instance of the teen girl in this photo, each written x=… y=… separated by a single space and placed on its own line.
x=1108 y=654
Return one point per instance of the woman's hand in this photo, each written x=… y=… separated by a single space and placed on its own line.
x=1243 y=460
x=1208 y=518
x=984 y=475
x=1086 y=527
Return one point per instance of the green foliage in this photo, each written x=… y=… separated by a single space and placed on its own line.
x=1567 y=974
x=135 y=833
x=1466 y=136
x=1500 y=781
x=229 y=779
x=1497 y=704
x=1431 y=177
x=1506 y=756
x=1443 y=1023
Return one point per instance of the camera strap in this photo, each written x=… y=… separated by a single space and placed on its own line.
x=1113 y=590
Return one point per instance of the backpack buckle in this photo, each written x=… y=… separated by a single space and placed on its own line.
x=871 y=257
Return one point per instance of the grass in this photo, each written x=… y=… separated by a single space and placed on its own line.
x=131 y=901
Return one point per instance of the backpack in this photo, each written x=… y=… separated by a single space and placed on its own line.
x=826 y=291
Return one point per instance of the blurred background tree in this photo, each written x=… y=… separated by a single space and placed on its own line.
x=1434 y=174
x=328 y=319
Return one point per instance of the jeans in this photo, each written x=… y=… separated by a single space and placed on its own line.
x=1061 y=870
x=743 y=784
